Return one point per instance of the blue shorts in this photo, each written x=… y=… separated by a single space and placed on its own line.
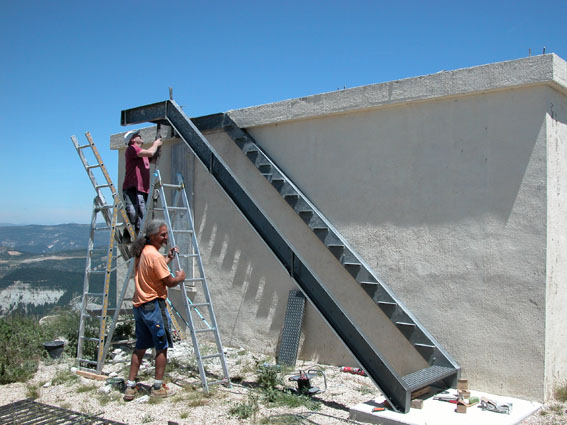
x=150 y=329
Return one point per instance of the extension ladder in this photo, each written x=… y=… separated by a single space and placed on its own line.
x=110 y=213
x=199 y=317
x=106 y=212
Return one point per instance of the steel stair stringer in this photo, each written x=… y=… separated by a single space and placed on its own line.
x=442 y=372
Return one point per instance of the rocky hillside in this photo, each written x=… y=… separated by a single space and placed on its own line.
x=43 y=266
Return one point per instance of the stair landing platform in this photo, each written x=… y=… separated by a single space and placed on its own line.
x=443 y=413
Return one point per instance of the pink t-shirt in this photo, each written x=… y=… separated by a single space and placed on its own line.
x=137 y=170
x=151 y=269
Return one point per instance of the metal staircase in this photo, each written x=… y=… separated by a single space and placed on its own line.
x=442 y=371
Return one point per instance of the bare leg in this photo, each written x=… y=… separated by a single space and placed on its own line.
x=137 y=357
x=161 y=361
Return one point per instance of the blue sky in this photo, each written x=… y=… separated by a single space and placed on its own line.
x=69 y=67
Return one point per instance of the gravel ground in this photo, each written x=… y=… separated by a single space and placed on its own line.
x=55 y=384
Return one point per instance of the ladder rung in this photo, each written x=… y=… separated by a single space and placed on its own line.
x=83 y=146
x=199 y=305
x=210 y=356
x=95 y=294
x=88 y=167
x=86 y=361
x=177 y=208
x=198 y=331
x=182 y=231
x=100 y=186
x=188 y=255
x=98 y=271
x=176 y=186
x=90 y=339
x=194 y=279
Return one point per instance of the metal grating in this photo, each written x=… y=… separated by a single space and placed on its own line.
x=427 y=376
x=30 y=412
x=292 y=328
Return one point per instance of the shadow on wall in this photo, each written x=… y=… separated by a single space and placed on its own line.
x=249 y=287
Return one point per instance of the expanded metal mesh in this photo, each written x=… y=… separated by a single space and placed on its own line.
x=30 y=412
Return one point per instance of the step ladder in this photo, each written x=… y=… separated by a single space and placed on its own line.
x=170 y=203
x=95 y=305
x=106 y=213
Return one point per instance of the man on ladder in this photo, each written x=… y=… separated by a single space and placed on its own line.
x=137 y=177
x=152 y=278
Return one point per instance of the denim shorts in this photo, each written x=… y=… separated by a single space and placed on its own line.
x=150 y=329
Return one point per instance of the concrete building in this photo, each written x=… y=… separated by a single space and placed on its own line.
x=451 y=186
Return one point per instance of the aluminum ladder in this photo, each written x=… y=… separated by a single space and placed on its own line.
x=175 y=210
x=200 y=316
x=94 y=305
x=123 y=226
x=110 y=213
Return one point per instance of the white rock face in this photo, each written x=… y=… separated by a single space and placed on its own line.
x=24 y=293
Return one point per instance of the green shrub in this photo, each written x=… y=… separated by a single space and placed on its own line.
x=246 y=409
x=64 y=377
x=21 y=348
x=22 y=342
x=269 y=376
x=561 y=393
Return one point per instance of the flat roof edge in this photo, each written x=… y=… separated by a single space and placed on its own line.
x=543 y=69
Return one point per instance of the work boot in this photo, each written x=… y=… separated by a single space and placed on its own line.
x=161 y=393
x=130 y=393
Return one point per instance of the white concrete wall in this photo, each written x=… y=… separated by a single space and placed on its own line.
x=446 y=202
x=451 y=186
x=556 y=288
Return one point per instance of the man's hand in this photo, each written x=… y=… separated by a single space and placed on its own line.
x=180 y=274
x=171 y=253
x=171 y=281
x=150 y=152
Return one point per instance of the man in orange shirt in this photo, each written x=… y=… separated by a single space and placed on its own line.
x=152 y=278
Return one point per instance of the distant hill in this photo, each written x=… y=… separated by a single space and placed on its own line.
x=40 y=239
x=43 y=266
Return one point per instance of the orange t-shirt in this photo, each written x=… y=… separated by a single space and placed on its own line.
x=152 y=268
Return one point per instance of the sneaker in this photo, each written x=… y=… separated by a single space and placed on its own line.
x=130 y=393
x=161 y=393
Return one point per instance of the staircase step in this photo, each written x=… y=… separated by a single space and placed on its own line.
x=426 y=350
x=336 y=250
x=252 y=154
x=429 y=375
x=388 y=307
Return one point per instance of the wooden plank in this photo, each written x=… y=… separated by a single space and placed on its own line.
x=91 y=375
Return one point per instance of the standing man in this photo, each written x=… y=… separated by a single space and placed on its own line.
x=152 y=278
x=137 y=178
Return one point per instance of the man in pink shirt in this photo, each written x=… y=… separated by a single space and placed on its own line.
x=137 y=178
